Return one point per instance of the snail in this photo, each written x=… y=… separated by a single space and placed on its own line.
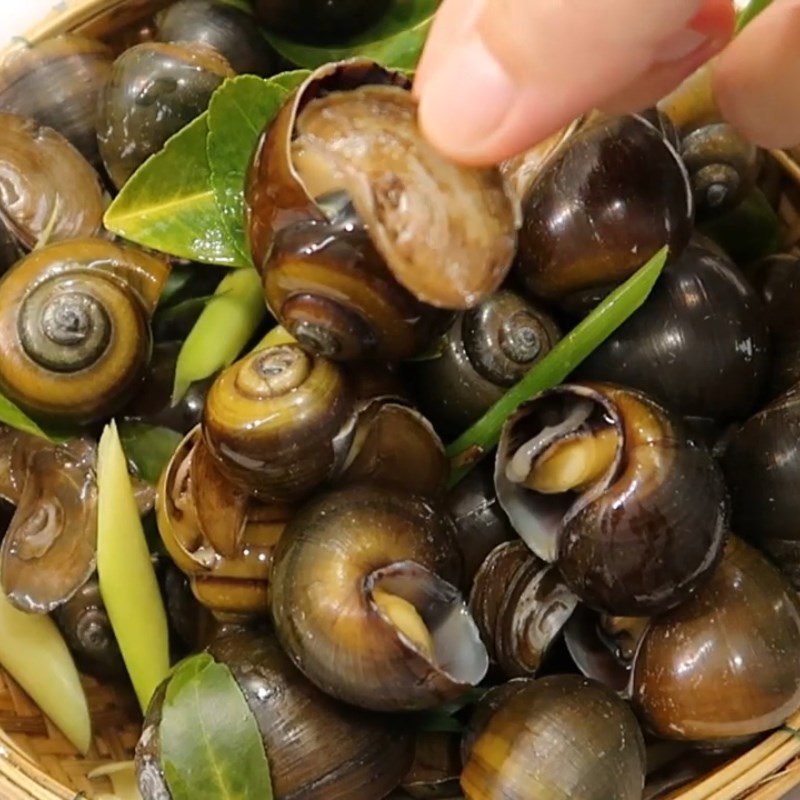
x=604 y=482
x=612 y=196
x=74 y=328
x=84 y=622
x=762 y=465
x=486 y=350
x=699 y=344
x=281 y=422
x=365 y=604
x=557 y=738
x=317 y=748
x=436 y=767
x=726 y=664
x=319 y=21
x=358 y=226
x=48 y=191
x=155 y=89
x=481 y=525
x=226 y=28
x=520 y=606
x=57 y=83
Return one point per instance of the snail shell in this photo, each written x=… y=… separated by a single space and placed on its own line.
x=364 y=601
x=487 y=350
x=520 y=605
x=74 y=328
x=605 y=482
x=557 y=738
x=343 y=184
x=155 y=89
x=726 y=664
x=48 y=191
x=57 y=83
x=613 y=196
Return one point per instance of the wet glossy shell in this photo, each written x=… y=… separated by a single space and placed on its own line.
x=74 y=328
x=436 y=768
x=642 y=537
x=231 y=31
x=447 y=233
x=700 y=343
x=215 y=534
x=57 y=83
x=727 y=663
x=48 y=191
x=270 y=420
x=613 y=196
x=762 y=467
x=487 y=350
x=154 y=91
x=558 y=738
x=332 y=557
x=520 y=605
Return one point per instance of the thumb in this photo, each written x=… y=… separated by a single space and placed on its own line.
x=497 y=76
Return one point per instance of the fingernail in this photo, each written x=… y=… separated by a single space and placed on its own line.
x=680 y=45
x=467 y=99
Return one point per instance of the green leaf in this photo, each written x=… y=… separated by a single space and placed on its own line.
x=127 y=579
x=589 y=334
x=750 y=12
x=395 y=41
x=748 y=232
x=239 y=111
x=210 y=745
x=148 y=447
x=220 y=334
x=169 y=206
x=16 y=418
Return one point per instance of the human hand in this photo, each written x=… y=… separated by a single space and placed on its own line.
x=498 y=76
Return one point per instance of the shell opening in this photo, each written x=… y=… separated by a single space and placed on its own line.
x=432 y=616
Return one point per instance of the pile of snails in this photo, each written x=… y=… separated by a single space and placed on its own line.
x=618 y=576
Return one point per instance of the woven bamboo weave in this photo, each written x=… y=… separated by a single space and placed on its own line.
x=36 y=761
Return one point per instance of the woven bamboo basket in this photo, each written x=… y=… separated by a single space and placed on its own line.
x=38 y=763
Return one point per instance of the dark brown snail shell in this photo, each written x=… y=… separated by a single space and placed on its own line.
x=155 y=89
x=487 y=349
x=726 y=664
x=10 y=251
x=699 y=344
x=317 y=748
x=48 y=191
x=603 y=481
x=436 y=768
x=229 y=30
x=84 y=621
x=777 y=281
x=319 y=21
x=481 y=524
x=57 y=83
x=762 y=467
x=281 y=422
x=556 y=738
x=222 y=539
x=352 y=568
x=74 y=328
x=345 y=255
x=615 y=193
x=520 y=605
x=723 y=166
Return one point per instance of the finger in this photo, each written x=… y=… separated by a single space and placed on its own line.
x=756 y=79
x=715 y=26
x=527 y=67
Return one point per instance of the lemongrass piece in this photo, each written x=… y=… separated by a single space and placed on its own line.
x=278 y=335
x=128 y=583
x=33 y=651
x=122 y=775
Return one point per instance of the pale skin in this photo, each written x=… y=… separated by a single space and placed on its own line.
x=498 y=76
